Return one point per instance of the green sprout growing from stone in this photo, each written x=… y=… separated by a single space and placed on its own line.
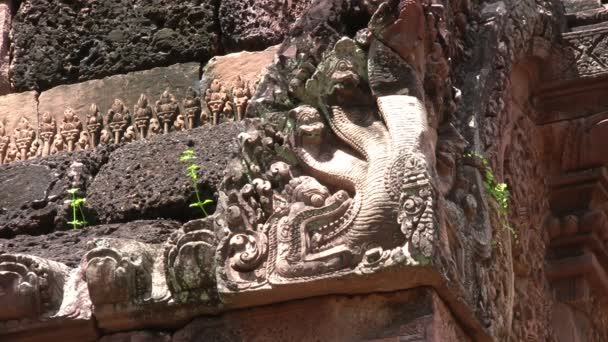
x=192 y=173
x=77 y=205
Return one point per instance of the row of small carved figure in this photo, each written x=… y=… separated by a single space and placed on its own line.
x=119 y=125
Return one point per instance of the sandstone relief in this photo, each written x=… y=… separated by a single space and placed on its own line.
x=79 y=131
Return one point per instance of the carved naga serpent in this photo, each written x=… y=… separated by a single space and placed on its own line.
x=383 y=165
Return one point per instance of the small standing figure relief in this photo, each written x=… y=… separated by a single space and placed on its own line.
x=105 y=137
x=130 y=134
x=192 y=107
x=118 y=119
x=240 y=97
x=24 y=136
x=84 y=141
x=35 y=150
x=58 y=145
x=48 y=128
x=217 y=101
x=94 y=124
x=155 y=127
x=142 y=113
x=180 y=123
x=70 y=128
x=12 y=154
x=4 y=141
x=167 y=110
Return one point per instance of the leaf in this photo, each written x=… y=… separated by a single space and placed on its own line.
x=196 y=205
x=207 y=201
x=72 y=191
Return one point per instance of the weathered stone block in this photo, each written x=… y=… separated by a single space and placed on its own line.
x=63 y=41
x=145 y=179
x=256 y=24
x=15 y=106
x=414 y=315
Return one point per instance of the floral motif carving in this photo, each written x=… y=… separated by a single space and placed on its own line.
x=218 y=102
x=23 y=137
x=142 y=113
x=240 y=97
x=48 y=128
x=118 y=120
x=167 y=110
x=192 y=107
x=94 y=125
x=70 y=128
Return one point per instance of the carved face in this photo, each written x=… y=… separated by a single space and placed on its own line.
x=309 y=191
x=68 y=115
x=344 y=78
x=309 y=125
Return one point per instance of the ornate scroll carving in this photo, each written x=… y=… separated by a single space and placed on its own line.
x=30 y=286
x=94 y=125
x=70 y=128
x=142 y=113
x=167 y=110
x=118 y=271
x=118 y=120
x=23 y=138
x=192 y=107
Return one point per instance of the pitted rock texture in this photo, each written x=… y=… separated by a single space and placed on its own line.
x=146 y=180
x=69 y=246
x=33 y=192
x=61 y=41
x=257 y=24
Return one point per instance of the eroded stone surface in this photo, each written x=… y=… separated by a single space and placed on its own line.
x=105 y=38
x=145 y=179
x=70 y=246
x=256 y=24
x=6 y=18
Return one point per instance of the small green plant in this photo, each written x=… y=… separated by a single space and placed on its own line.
x=77 y=205
x=498 y=190
x=189 y=157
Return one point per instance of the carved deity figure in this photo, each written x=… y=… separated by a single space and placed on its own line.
x=192 y=107
x=240 y=97
x=105 y=137
x=23 y=137
x=59 y=145
x=167 y=110
x=35 y=149
x=142 y=115
x=217 y=101
x=94 y=124
x=130 y=134
x=155 y=127
x=180 y=123
x=84 y=141
x=12 y=153
x=4 y=141
x=70 y=128
x=119 y=119
x=48 y=129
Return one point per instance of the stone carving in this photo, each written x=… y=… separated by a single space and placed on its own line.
x=4 y=141
x=30 y=286
x=35 y=150
x=192 y=107
x=70 y=128
x=155 y=127
x=288 y=229
x=167 y=110
x=58 y=144
x=218 y=102
x=48 y=128
x=189 y=262
x=23 y=137
x=84 y=141
x=142 y=115
x=94 y=125
x=118 y=271
x=130 y=134
x=105 y=137
x=240 y=97
x=180 y=123
x=12 y=153
x=118 y=119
